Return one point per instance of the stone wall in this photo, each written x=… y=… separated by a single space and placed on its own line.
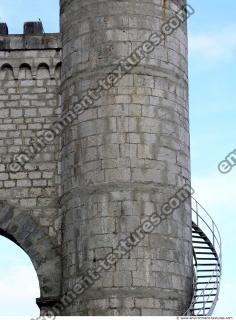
x=123 y=158
x=29 y=104
x=29 y=85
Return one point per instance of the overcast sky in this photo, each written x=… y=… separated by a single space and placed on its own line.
x=212 y=69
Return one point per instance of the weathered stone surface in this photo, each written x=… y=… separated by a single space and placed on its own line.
x=19 y=226
x=126 y=157
x=29 y=82
x=111 y=167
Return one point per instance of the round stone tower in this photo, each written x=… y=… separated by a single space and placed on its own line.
x=124 y=155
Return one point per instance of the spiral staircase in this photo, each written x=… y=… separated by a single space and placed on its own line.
x=207 y=262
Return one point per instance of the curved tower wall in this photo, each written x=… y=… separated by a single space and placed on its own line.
x=124 y=157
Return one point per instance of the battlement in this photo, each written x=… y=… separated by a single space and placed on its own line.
x=33 y=38
x=3 y=29
x=32 y=50
x=23 y=42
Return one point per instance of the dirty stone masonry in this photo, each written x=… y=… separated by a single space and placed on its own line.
x=117 y=163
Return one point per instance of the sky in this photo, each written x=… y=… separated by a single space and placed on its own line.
x=212 y=69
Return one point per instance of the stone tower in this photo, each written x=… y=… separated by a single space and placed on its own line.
x=124 y=157
x=111 y=136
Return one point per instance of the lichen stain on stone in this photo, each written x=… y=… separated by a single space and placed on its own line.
x=164 y=7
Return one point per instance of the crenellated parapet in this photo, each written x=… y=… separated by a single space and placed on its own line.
x=31 y=54
x=33 y=38
x=45 y=41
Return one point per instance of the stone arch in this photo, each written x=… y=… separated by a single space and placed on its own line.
x=19 y=226
x=25 y=71
x=43 y=71
x=6 y=72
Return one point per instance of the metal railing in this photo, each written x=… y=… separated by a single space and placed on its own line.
x=205 y=222
x=202 y=303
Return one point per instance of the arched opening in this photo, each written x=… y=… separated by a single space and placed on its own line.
x=19 y=285
x=25 y=71
x=6 y=72
x=43 y=71
x=23 y=230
